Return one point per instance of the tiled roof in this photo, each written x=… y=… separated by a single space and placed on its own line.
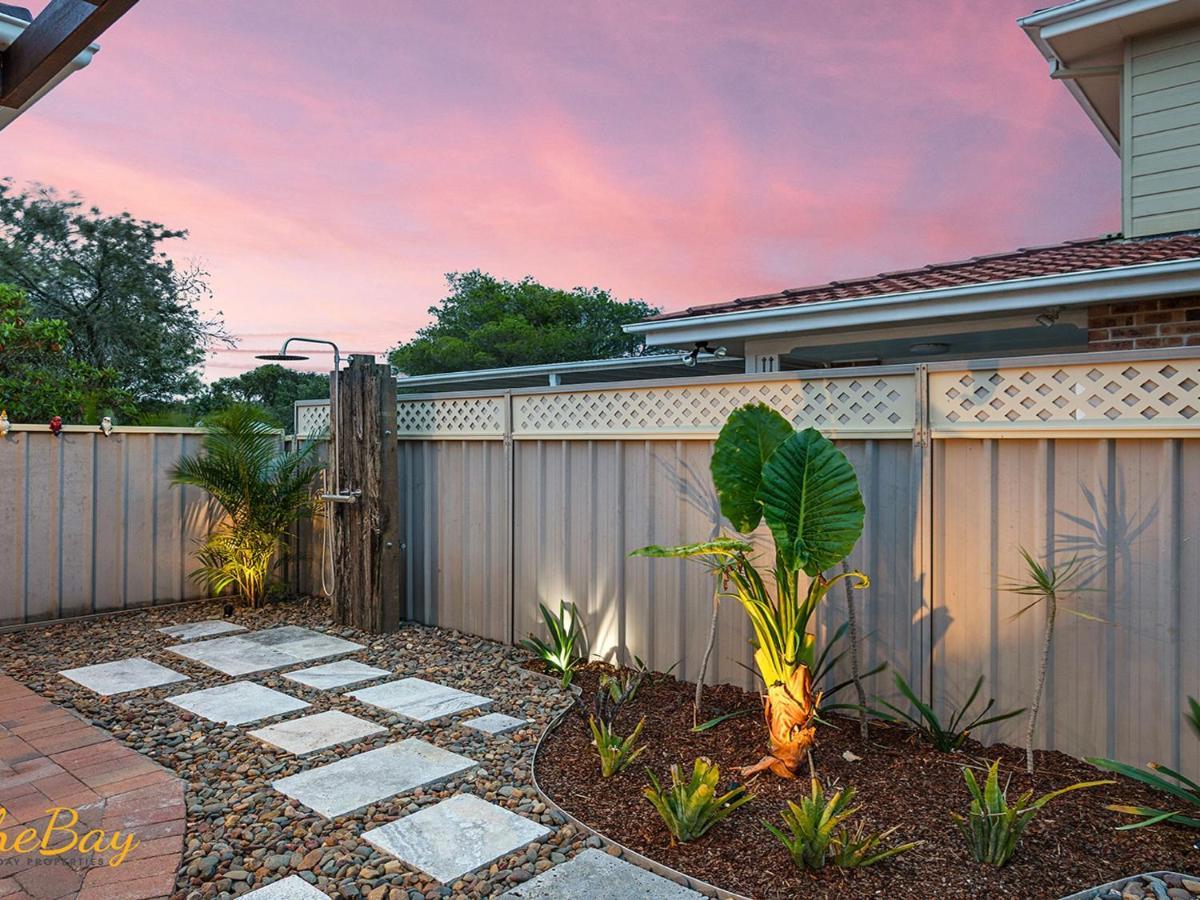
x=1029 y=262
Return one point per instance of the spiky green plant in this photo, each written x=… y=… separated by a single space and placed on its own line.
x=1185 y=791
x=560 y=654
x=615 y=752
x=690 y=808
x=946 y=736
x=992 y=827
x=262 y=490
x=818 y=834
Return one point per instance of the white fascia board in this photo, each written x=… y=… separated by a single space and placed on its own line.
x=1161 y=279
x=547 y=369
x=10 y=28
x=1059 y=20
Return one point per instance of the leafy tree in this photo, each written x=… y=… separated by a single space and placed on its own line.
x=272 y=388
x=37 y=379
x=126 y=305
x=488 y=323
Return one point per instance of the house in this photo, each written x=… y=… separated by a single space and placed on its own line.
x=1134 y=67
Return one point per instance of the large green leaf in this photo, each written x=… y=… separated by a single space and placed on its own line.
x=721 y=546
x=749 y=437
x=812 y=503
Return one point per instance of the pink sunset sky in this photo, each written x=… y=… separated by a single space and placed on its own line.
x=333 y=160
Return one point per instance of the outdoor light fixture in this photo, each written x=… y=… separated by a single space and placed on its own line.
x=1049 y=317
x=691 y=357
x=929 y=348
x=106 y=426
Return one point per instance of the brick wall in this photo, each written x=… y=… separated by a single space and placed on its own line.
x=1145 y=324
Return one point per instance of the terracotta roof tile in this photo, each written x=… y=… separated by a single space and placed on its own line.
x=1027 y=262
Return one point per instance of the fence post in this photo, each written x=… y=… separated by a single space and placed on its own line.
x=367 y=556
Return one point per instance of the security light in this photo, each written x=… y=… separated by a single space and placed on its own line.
x=1049 y=317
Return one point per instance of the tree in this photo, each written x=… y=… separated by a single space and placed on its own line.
x=487 y=323
x=126 y=305
x=272 y=388
x=37 y=380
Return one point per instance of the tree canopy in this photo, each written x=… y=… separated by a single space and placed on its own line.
x=37 y=379
x=272 y=388
x=126 y=306
x=485 y=322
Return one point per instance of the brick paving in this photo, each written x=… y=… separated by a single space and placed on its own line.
x=50 y=758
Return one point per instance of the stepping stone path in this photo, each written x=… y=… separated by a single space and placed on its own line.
x=122 y=676
x=260 y=651
x=237 y=703
x=291 y=888
x=415 y=698
x=365 y=778
x=495 y=723
x=317 y=732
x=455 y=836
x=595 y=875
x=190 y=631
x=336 y=674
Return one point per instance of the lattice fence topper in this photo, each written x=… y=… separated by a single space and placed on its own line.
x=865 y=403
x=451 y=417
x=1139 y=394
x=312 y=420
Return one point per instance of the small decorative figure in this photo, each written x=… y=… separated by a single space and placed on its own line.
x=106 y=425
x=56 y=425
x=5 y=425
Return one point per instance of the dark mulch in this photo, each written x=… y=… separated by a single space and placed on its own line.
x=1072 y=844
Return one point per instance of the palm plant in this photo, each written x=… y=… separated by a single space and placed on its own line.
x=1046 y=585
x=262 y=491
x=807 y=491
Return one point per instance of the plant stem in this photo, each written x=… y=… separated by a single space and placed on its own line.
x=712 y=639
x=1051 y=611
x=853 y=622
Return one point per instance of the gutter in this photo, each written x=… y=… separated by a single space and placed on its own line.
x=1161 y=279
x=11 y=28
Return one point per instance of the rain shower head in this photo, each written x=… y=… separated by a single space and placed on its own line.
x=281 y=357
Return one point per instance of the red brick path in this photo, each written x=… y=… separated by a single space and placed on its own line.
x=50 y=757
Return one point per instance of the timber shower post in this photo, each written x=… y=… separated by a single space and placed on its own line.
x=367 y=552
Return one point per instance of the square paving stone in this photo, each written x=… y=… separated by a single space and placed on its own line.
x=336 y=674
x=123 y=675
x=190 y=631
x=418 y=699
x=495 y=723
x=291 y=888
x=594 y=875
x=366 y=778
x=311 y=733
x=237 y=703
x=455 y=836
x=258 y=651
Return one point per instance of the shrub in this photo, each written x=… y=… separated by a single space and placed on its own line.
x=817 y=832
x=690 y=808
x=992 y=827
x=560 y=654
x=951 y=735
x=615 y=753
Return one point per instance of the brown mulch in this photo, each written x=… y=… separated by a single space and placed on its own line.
x=1072 y=844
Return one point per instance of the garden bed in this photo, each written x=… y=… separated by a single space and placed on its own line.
x=1072 y=845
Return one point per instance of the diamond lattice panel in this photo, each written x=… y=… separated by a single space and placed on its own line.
x=870 y=404
x=312 y=420
x=451 y=417
x=1145 y=393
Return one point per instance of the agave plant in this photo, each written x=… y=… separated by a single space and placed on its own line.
x=993 y=827
x=808 y=494
x=615 y=752
x=1186 y=793
x=817 y=832
x=262 y=491
x=690 y=808
x=947 y=736
x=561 y=653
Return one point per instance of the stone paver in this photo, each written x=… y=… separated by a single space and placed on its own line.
x=342 y=673
x=190 y=631
x=237 y=703
x=495 y=723
x=359 y=780
x=416 y=698
x=260 y=651
x=595 y=875
x=456 y=836
x=50 y=758
x=291 y=888
x=316 y=732
x=122 y=675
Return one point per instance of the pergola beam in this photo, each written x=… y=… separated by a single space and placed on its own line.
x=63 y=30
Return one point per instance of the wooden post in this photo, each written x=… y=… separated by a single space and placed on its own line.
x=367 y=555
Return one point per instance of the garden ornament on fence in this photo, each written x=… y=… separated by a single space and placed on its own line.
x=56 y=425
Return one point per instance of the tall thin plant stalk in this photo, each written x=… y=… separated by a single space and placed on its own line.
x=708 y=649
x=852 y=621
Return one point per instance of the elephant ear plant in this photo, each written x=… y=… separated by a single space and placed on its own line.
x=808 y=494
x=262 y=490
